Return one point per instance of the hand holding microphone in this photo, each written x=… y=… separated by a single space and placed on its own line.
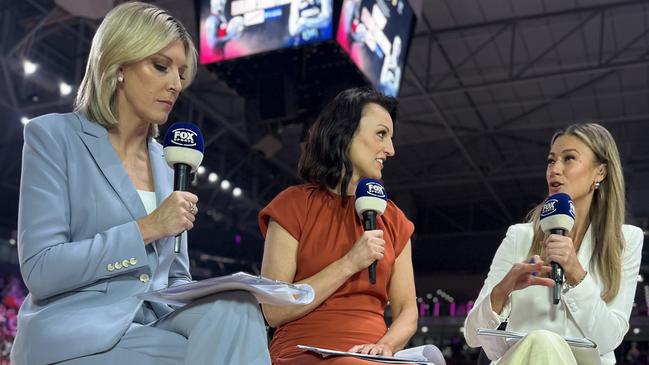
x=183 y=150
x=371 y=201
x=369 y=248
x=557 y=219
x=172 y=217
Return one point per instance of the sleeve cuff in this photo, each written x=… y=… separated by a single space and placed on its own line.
x=495 y=319
x=582 y=293
x=504 y=313
x=128 y=255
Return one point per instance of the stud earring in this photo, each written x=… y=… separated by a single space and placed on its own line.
x=120 y=78
x=597 y=185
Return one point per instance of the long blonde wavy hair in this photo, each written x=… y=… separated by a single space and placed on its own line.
x=607 y=210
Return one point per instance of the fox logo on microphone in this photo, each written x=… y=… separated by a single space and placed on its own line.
x=549 y=207
x=558 y=204
x=184 y=137
x=375 y=189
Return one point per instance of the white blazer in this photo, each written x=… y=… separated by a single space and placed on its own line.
x=581 y=312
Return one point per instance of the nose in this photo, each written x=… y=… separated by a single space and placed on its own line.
x=554 y=169
x=175 y=84
x=389 y=148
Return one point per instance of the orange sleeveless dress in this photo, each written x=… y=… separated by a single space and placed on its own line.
x=326 y=229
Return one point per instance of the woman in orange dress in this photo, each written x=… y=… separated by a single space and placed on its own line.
x=314 y=236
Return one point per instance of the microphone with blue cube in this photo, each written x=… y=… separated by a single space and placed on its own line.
x=183 y=151
x=557 y=217
x=371 y=201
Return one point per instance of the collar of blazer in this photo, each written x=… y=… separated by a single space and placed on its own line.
x=95 y=138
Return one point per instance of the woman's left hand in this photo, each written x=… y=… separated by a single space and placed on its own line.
x=561 y=250
x=373 y=349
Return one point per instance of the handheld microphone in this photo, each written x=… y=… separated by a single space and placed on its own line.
x=371 y=200
x=183 y=151
x=557 y=217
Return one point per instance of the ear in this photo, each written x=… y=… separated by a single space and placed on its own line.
x=601 y=172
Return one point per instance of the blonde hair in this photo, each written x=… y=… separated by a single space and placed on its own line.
x=130 y=33
x=607 y=210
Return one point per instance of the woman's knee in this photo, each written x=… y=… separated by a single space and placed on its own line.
x=236 y=304
x=542 y=336
x=235 y=298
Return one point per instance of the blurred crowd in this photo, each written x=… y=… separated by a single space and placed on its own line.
x=12 y=294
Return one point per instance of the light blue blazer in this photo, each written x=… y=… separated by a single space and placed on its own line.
x=81 y=253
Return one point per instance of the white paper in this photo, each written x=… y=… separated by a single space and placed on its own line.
x=375 y=358
x=572 y=341
x=265 y=290
x=429 y=352
x=497 y=342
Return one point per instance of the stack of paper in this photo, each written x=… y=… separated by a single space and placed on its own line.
x=495 y=343
x=400 y=357
x=572 y=341
x=265 y=290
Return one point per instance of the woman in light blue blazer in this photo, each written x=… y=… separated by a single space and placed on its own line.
x=97 y=217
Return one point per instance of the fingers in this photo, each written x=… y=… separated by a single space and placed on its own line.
x=559 y=249
x=355 y=348
x=378 y=233
x=371 y=349
x=188 y=203
x=190 y=197
x=181 y=211
x=369 y=247
x=376 y=243
x=542 y=281
x=555 y=241
x=377 y=246
x=192 y=208
x=527 y=268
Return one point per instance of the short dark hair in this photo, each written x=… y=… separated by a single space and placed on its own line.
x=325 y=159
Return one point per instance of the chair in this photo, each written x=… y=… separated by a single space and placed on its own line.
x=483 y=359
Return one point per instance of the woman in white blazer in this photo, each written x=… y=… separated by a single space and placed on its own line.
x=600 y=257
x=97 y=217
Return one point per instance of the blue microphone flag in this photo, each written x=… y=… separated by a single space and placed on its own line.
x=558 y=213
x=183 y=144
x=372 y=188
x=184 y=134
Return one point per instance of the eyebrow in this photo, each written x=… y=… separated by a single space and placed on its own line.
x=385 y=126
x=171 y=60
x=566 y=150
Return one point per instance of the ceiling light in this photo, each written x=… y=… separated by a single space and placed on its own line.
x=236 y=192
x=212 y=177
x=65 y=89
x=225 y=185
x=29 y=67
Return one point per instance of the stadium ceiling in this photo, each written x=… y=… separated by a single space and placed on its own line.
x=485 y=86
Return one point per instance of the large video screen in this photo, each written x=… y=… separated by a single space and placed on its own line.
x=376 y=34
x=236 y=28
